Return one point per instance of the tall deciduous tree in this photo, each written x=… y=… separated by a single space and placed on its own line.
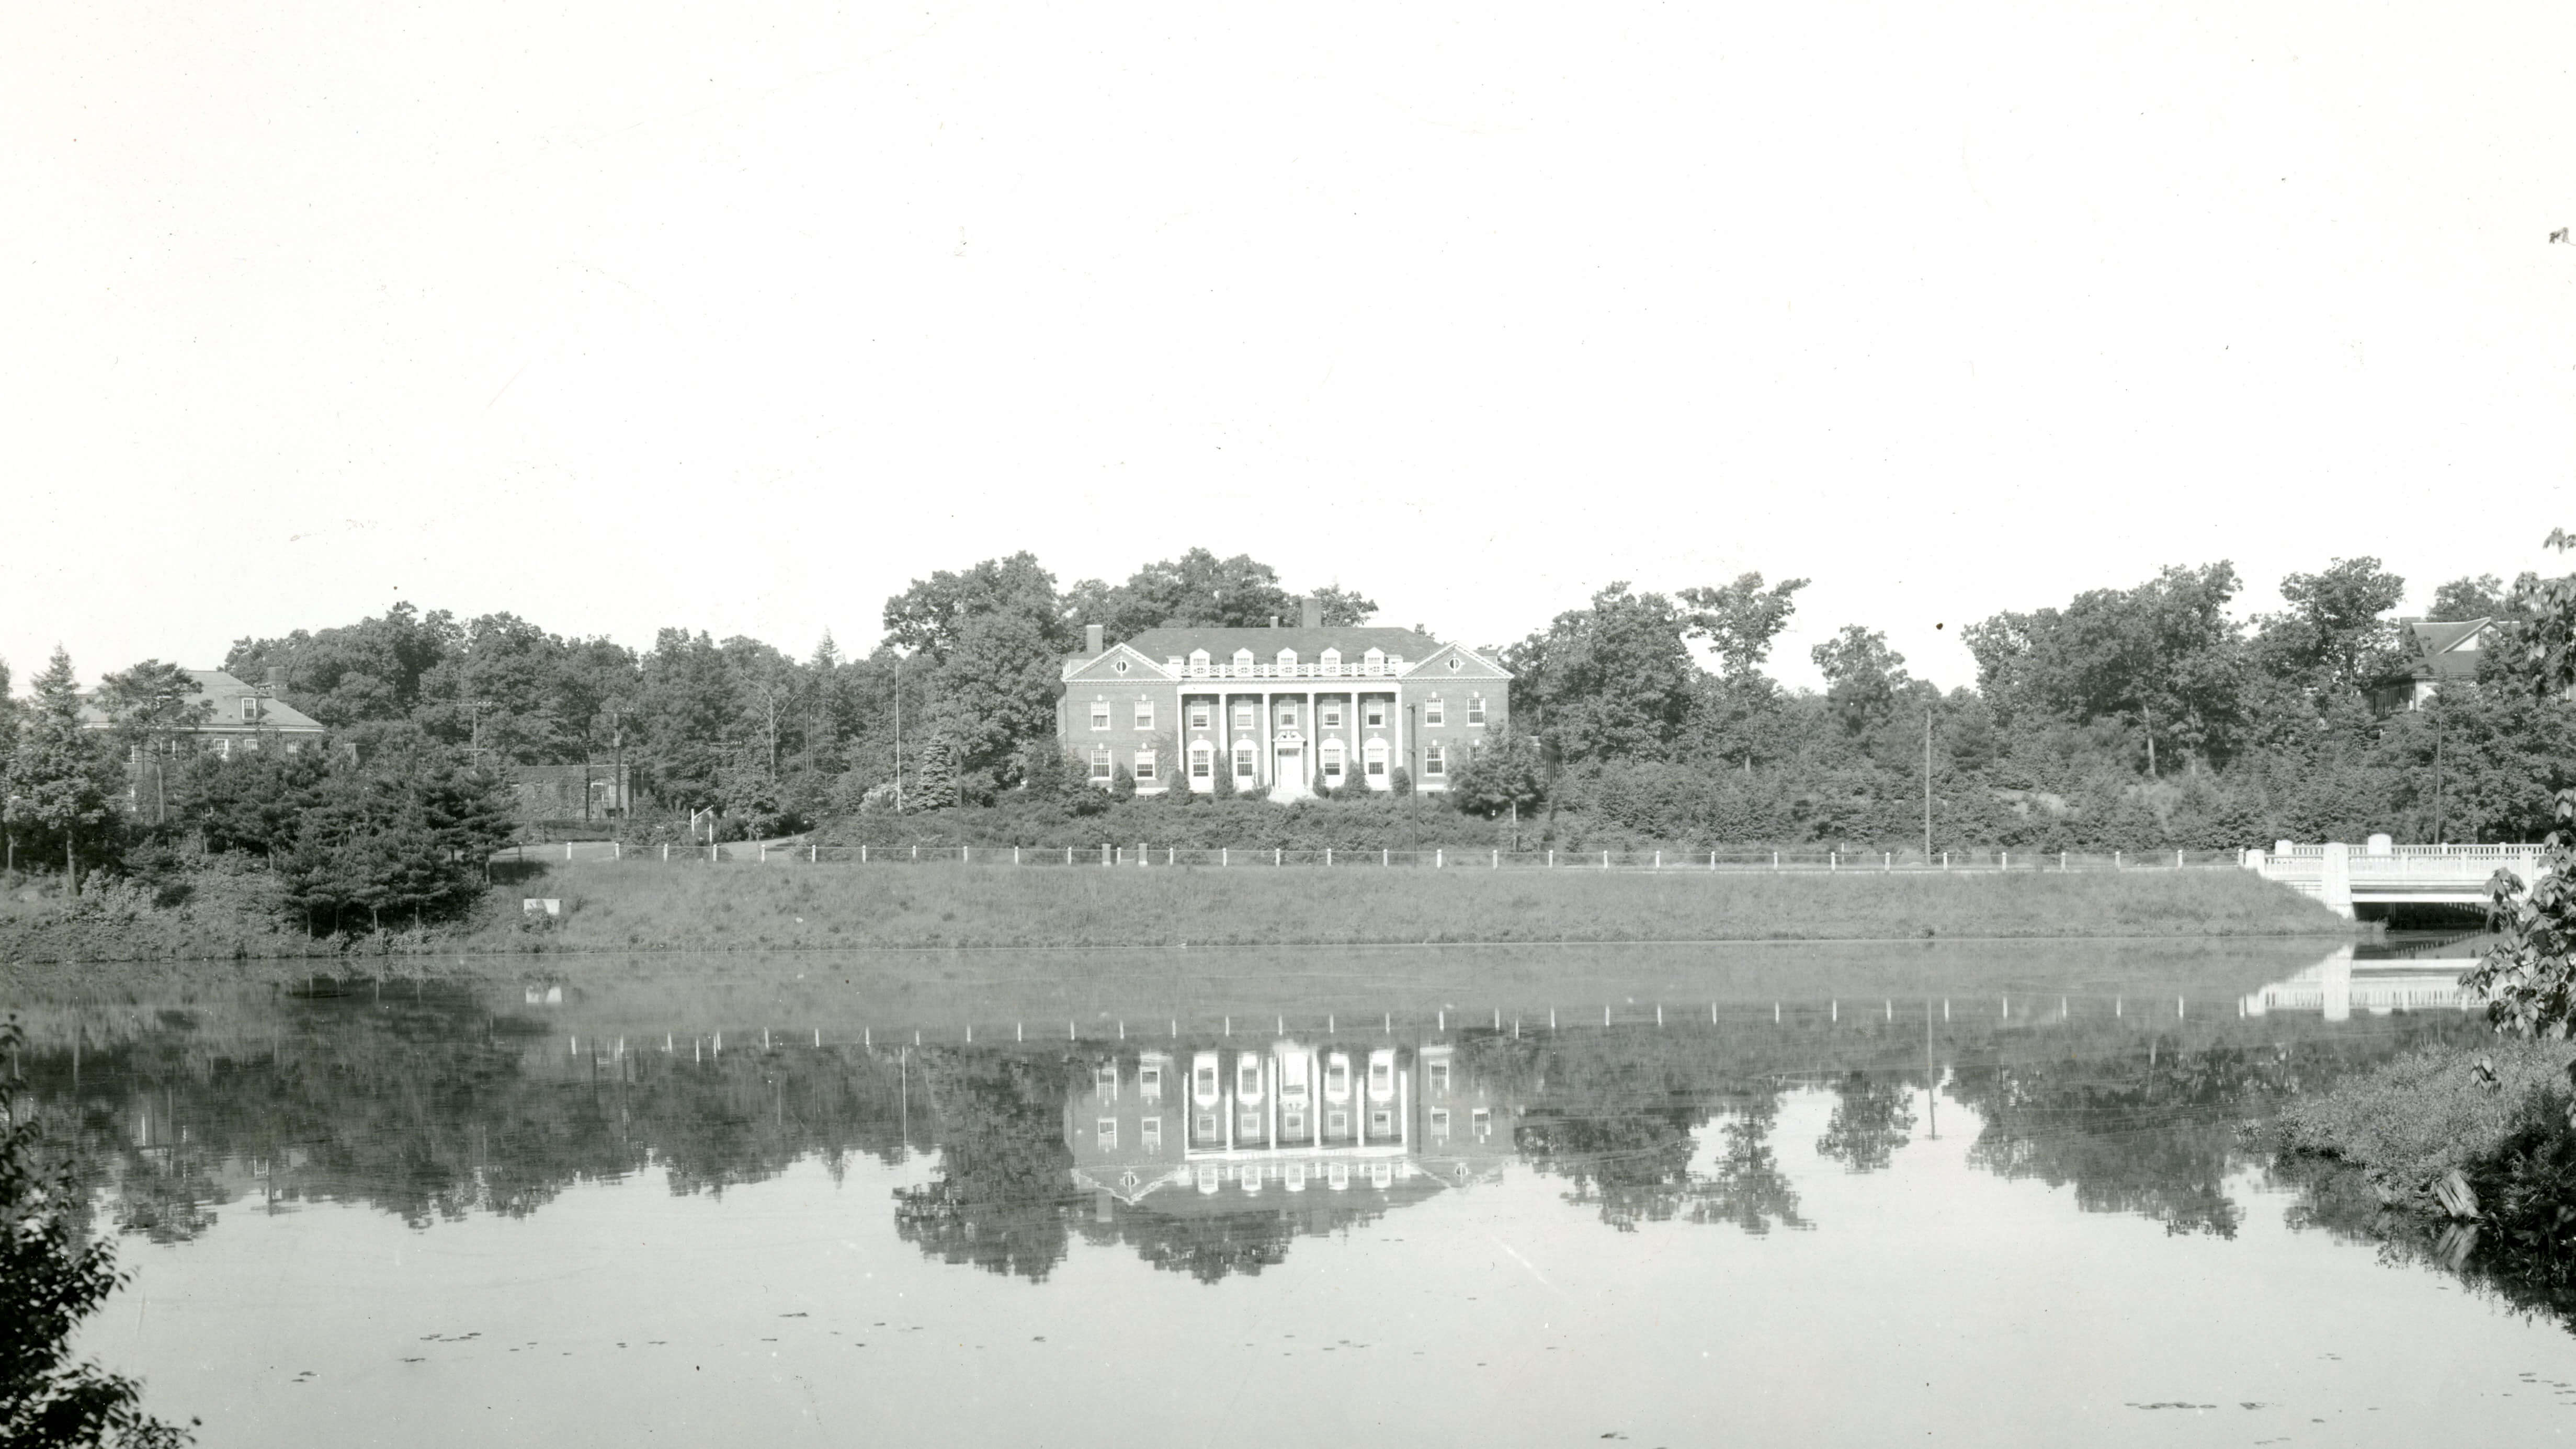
x=1862 y=677
x=1609 y=682
x=1740 y=620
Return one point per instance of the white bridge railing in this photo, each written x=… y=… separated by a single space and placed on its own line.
x=2381 y=870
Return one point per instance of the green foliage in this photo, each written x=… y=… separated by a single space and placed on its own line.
x=934 y=782
x=60 y=779
x=1609 y=682
x=52 y=1277
x=1739 y=620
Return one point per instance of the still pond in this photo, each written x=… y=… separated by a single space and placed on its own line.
x=1980 y=1196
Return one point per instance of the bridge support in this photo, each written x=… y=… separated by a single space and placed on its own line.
x=2334 y=887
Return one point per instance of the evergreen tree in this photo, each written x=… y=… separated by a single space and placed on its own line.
x=60 y=780
x=935 y=784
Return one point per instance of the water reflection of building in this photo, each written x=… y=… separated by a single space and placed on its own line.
x=1231 y=1129
x=2340 y=984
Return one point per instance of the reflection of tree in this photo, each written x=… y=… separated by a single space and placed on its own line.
x=2150 y=1132
x=1618 y=1116
x=1003 y=1196
x=1872 y=1118
x=429 y=1107
x=1207 y=1247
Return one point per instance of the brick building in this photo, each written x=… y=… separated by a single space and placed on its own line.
x=239 y=717
x=1282 y=709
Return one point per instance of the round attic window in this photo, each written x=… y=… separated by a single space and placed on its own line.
x=1120 y=666
x=1453 y=663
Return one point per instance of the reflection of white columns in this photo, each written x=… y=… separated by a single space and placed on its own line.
x=2334 y=980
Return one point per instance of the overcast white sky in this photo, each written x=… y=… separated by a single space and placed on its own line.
x=626 y=315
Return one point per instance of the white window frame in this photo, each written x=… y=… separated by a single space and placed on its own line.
x=1331 y=757
x=1375 y=661
x=1247 y=715
x=1107 y=1128
x=1481 y=1121
x=1436 y=1074
x=1287 y=661
x=1475 y=709
x=1199 y=662
x=1328 y=716
x=1288 y=714
x=1200 y=715
x=1433 y=712
x=1332 y=661
x=1373 y=714
x=1440 y=1123
x=1144 y=714
x=1242 y=663
x=1373 y=755
x=1202 y=760
x=1435 y=761
x=1149 y=1082
x=1103 y=765
x=1100 y=714
x=1245 y=768
x=1151 y=1135
x=1104 y=1082
x=1142 y=766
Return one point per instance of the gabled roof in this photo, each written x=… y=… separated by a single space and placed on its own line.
x=2442 y=637
x=225 y=693
x=1353 y=640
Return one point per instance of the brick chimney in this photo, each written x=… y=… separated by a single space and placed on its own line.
x=1310 y=612
x=1091 y=639
x=277 y=679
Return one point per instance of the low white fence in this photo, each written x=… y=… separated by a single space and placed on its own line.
x=1146 y=854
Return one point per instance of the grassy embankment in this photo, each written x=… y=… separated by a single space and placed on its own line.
x=650 y=907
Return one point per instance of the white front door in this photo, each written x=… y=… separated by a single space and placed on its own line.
x=1291 y=784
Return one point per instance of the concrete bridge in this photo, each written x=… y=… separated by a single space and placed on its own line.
x=2381 y=873
x=2341 y=985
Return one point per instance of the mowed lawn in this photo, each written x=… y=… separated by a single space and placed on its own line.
x=642 y=906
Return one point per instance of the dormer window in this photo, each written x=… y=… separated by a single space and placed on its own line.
x=1199 y=662
x=1242 y=662
x=1287 y=661
x=1332 y=661
x=1376 y=661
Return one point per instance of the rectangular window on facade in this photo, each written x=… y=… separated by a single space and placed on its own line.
x=1144 y=714
x=1337 y=1123
x=1199 y=768
x=1247 y=1125
x=1145 y=765
x=1288 y=716
x=1439 y=1074
x=1105 y=1082
x=1100 y=763
x=1243 y=716
x=1440 y=1122
x=1475 y=709
x=1153 y=1134
x=1243 y=764
x=1199 y=715
x=1100 y=714
x=1431 y=713
x=1382 y=1124
x=1333 y=768
x=1108 y=1132
x=1434 y=762
x=1207 y=1126
x=1481 y=1120
x=1373 y=714
x=1376 y=766
x=1332 y=714
x=223 y=749
x=1149 y=1081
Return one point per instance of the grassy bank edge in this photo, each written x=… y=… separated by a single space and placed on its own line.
x=639 y=909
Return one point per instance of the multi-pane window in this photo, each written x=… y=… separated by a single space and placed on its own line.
x=1381 y=1124
x=1145 y=765
x=1149 y=1082
x=1108 y=1132
x=1199 y=715
x=1376 y=754
x=1243 y=763
x=1332 y=764
x=1332 y=661
x=1288 y=716
x=1332 y=715
x=1100 y=714
x=1431 y=713
x=1439 y=1074
x=1440 y=1122
x=1153 y=1134
x=1481 y=1120
x=1434 y=760
x=1105 y=1082
x=1242 y=662
x=1475 y=709
x=1372 y=714
x=1200 y=766
x=1144 y=714
x=1243 y=716
x=1100 y=763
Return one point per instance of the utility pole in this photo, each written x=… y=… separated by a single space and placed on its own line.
x=1927 y=786
x=2438 y=835
x=898 y=745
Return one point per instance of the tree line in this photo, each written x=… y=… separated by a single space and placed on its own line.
x=2140 y=717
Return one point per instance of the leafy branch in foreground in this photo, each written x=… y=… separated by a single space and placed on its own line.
x=51 y=1279
x=2529 y=975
